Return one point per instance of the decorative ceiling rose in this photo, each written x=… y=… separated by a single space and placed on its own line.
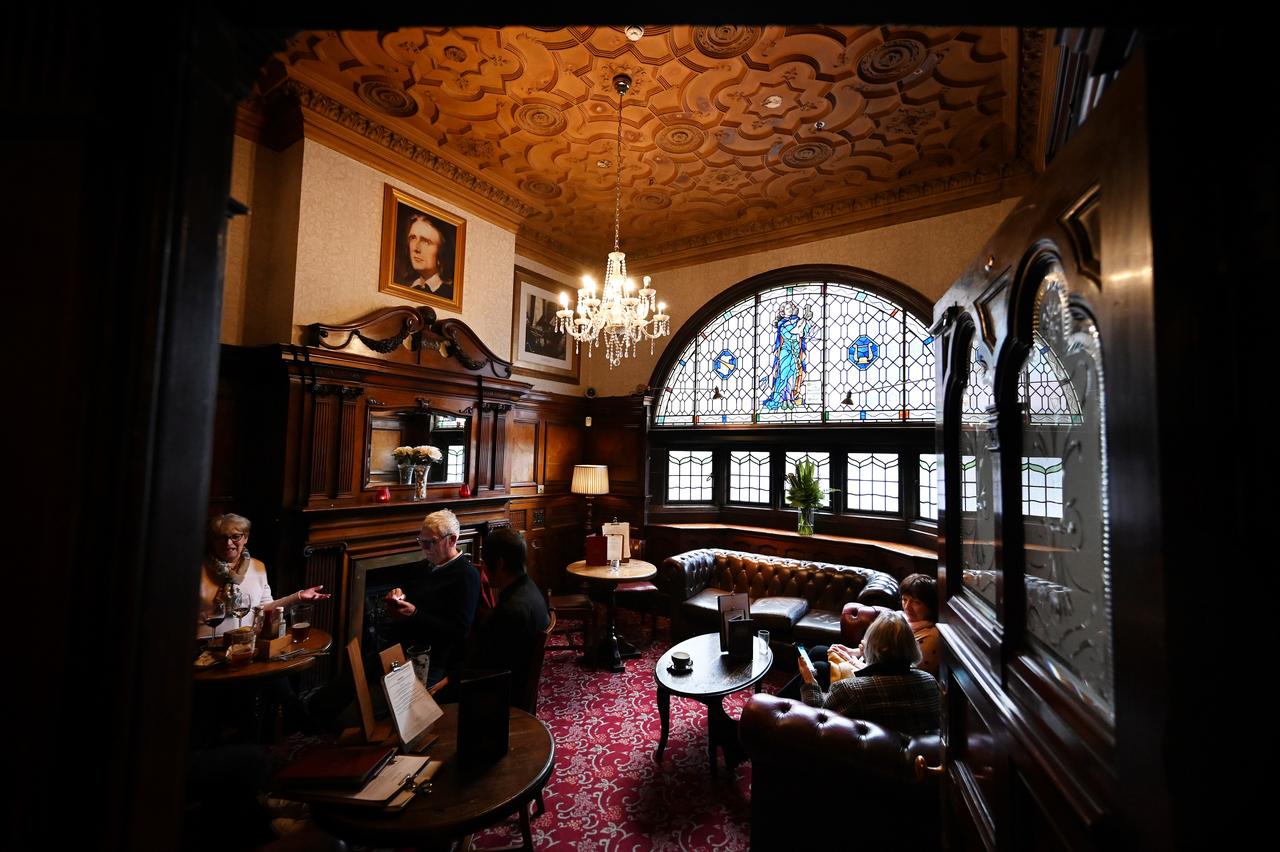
x=387 y=98
x=652 y=200
x=542 y=188
x=806 y=155
x=455 y=54
x=541 y=119
x=893 y=61
x=623 y=315
x=680 y=138
x=725 y=41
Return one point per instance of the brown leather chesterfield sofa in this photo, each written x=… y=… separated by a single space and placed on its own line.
x=794 y=600
x=861 y=788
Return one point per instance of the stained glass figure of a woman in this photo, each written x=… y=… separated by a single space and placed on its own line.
x=785 y=379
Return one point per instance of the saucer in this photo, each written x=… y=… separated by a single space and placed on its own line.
x=686 y=670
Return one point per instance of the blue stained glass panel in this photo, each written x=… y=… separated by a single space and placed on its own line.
x=795 y=354
x=863 y=351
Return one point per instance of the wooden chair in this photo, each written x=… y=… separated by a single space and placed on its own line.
x=578 y=607
x=528 y=702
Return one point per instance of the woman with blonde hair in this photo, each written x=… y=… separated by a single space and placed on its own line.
x=888 y=691
x=230 y=573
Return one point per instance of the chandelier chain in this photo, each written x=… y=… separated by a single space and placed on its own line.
x=617 y=183
x=622 y=315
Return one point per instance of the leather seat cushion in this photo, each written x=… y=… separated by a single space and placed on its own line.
x=704 y=604
x=778 y=613
x=818 y=627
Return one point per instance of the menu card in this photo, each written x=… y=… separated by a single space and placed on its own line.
x=733 y=605
x=412 y=707
x=620 y=529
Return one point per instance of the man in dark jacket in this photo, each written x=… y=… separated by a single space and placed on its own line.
x=505 y=639
x=439 y=603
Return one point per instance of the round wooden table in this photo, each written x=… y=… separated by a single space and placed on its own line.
x=613 y=650
x=713 y=676
x=224 y=673
x=461 y=800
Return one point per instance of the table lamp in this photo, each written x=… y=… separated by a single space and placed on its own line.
x=590 y=480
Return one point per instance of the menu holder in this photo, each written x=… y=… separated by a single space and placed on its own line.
x=741 y=637
x=597 y=551
x=484 y=717
x=620 y=528
x=413 y=710
x=365 y=703
x=735 y=604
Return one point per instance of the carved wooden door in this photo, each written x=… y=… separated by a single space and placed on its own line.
x=1039 y=738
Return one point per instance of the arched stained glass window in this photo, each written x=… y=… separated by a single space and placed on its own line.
x=803 y=353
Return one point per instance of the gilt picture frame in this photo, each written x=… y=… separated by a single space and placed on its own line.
x=422 y=251
x=537 y=348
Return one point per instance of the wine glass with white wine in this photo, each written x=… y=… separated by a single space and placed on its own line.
x=240 y=605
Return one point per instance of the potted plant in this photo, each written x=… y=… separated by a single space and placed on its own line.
x=805 y=494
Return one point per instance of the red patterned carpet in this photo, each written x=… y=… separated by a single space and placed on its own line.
x=606 y=791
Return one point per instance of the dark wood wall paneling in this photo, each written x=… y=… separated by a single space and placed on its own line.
x=618 y=438
x=292 y=450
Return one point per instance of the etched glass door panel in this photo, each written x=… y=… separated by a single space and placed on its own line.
x=977 y=483
x=1064 y=497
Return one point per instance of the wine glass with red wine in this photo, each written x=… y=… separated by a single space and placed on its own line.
x=212 y=615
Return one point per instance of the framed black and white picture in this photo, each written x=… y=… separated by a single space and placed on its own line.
x=537 y=348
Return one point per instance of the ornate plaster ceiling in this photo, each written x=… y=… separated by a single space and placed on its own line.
x=730 y=134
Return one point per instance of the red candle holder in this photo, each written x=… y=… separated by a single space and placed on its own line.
x=465 y=490
x=384 y=495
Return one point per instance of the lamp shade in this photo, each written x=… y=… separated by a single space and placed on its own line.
x=590 y=479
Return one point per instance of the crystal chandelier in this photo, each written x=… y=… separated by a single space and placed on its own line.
x=622 y=314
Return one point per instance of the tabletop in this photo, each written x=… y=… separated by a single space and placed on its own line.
x=461 y=801
x=318 y=641
x=636 y=569
x=713 y=672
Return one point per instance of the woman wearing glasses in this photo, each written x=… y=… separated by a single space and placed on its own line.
x=231 y=574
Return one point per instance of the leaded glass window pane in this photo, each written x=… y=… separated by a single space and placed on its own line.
x=1044 y=388
x=789 y=342
x=689 y=476
x=928 y=486
x=822 y=470
x=968 y=483
x=454 y=458
x=749 y=477
x=1042 y=487
x=803 y=353
x=1068 y=552
x=677 y=407
x=873 y=482
x=727 y=365
x=978 y=394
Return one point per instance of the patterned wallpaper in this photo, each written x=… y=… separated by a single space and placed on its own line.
x=339 y=216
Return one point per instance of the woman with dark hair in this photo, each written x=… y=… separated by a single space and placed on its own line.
x=889 y=691
x=919 y=594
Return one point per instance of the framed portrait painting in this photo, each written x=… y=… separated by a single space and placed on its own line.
x=422 y=251
x=537 y=349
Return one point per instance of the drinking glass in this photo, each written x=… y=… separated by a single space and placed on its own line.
x=240 y=605
x=300 y=622
x=211 y=615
